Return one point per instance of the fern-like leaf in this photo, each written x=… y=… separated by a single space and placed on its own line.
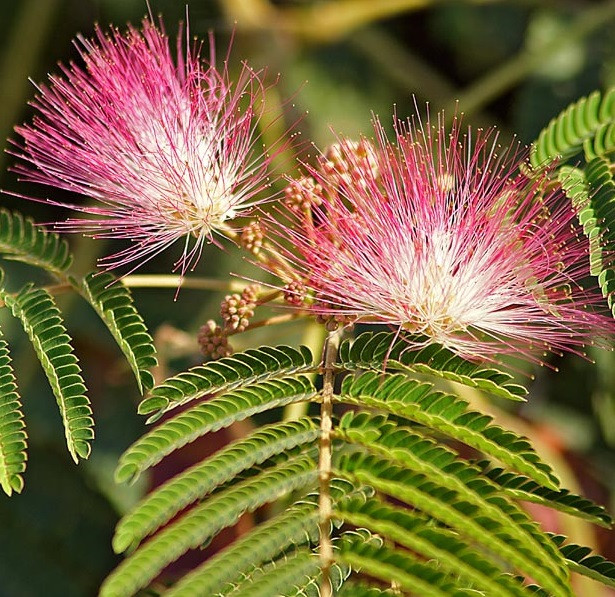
x=286 y=576
x=207 y=519
x=592 y=193
x=405 y=528
x=369 y=350
x=360 y=589
x=586 y=124
x=292 y=528
x=113 y=303
x=13 y=436
x=296 y=575
x=389 y=565
x=41 y=320
x=22 y=240
x=582 y=561
x=575 y=185
x=522 y=488
x=241 y=369
x=445 y=470
x=196 y=482
x=210 y=415
x=448 y=414
x=600 y=215
x=519 y=541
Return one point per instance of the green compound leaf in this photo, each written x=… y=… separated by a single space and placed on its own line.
x=310 y=587
x=585 y=125
x=41 y=320
x=521 y=488
x=210 y=415
x=360 y=589
x=204 y=521
x=410 y=574
x=13 y=438
x=297 y=575
x=445 y=470
x=22 y=240
x=195 y=483
x=581 y=560
x=592 y=193
x=294 y=527
x=285 y=576
x=518 y=542
x=599 y=217
x=113 y=303
x=241 y=369
x=416 y=401
x=369 y=350
x=575 y=185
x=413 y=532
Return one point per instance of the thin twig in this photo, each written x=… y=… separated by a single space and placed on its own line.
x=267 y=298
x=270 y=321
x=174 y=281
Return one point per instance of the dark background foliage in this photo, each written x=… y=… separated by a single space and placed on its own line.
x=514 y=64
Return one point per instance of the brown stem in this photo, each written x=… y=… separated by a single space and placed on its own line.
x=269 y=321
x=324 y=463
x=267 y=298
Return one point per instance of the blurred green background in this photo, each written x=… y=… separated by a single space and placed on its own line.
x=514 y=64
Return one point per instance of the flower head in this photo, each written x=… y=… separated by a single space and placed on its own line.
x=439 y=235
x=165 y=147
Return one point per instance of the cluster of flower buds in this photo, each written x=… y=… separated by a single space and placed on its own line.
x=333 y=322
x=295 y=293
x=330 y=319
x=213 y=341
x=252 y=237
x=237 y=309
x=302 y=194
x=350 y=161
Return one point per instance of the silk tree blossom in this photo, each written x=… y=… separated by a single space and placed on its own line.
x=165 y=147
x=439 y=235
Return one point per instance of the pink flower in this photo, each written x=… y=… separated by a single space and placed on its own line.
x=164 y=147
x=439 y=236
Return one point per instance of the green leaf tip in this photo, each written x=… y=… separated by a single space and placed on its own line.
x=41 y=320
x=113 y=303
x=22 y=240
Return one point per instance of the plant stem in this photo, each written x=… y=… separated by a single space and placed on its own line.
x=324 y=463
x=313 y=337
x=275 y=320
x=173 y=281
x=267 y=298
